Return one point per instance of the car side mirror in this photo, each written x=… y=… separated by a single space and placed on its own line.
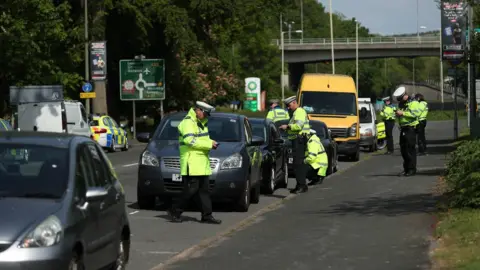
x=122 y=125
x=257 y=141
x=278 y=141
x=96 y=194
x=143 y=137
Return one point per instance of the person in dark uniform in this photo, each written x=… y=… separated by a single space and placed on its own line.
x=408 y=113
x=388 y=114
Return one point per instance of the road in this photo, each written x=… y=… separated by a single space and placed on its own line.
x=363 y=217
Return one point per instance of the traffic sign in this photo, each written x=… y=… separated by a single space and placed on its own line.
x=88 y=95
x=142 y=79
x=87 y=87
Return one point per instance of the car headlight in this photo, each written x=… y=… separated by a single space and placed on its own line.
x=149 y=159
x=46 y=234
x=367 y=132
x=353 y=130
x=232 y=162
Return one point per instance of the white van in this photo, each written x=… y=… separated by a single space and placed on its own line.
x=77 y=119
x=368 y=124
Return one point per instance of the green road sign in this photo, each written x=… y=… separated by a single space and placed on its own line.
x=142 y=79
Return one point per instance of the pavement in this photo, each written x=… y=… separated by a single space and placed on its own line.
x=362 y=217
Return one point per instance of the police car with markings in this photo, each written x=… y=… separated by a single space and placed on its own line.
x=108 y=134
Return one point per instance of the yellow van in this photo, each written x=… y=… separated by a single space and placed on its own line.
x=333 y=100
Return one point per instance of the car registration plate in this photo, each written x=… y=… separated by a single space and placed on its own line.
x=176 y=178
x=290 y=160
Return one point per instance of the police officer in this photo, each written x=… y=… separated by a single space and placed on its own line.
x=421 y=140
x=317 y=159
x=297 y=129
x=276 y=113
x=195 y=145
x=407 y=114
x=388 y=114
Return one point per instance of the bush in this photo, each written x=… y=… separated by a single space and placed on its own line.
x=463 y=175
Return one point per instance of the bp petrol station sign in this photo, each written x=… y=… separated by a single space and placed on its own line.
x=252 y=94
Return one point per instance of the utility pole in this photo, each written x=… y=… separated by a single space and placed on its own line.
x=472 y=54
x=87 y=62
x=301 y=17
x=331 y=37
x=356 y=54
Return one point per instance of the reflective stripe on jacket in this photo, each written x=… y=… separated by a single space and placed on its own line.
x=277 y=114
x=423 y=110
x=410 y=114
x=388 y=112
x=195 y=145
x=298 y=124
x=316 y=156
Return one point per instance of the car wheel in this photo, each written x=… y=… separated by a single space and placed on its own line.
x=270 y=182
x=244 y=201
x=126 y=145
x=121 y=261
x=113 y=147
x=284 y=181
x=255 y=194
x=330 y=166
x=76 y=262
x=145 y=201
x=355 y=157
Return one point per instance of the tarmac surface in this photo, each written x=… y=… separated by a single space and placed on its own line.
x=362 y=217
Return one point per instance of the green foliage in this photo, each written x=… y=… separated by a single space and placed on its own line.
x=463 y=175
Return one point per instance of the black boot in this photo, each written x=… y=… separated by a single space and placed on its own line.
x=209 y=219
x=174 y=216
x=299 y=189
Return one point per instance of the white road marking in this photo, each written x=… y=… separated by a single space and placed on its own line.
x=162 y=252
x=130 y=165
x=133 y=213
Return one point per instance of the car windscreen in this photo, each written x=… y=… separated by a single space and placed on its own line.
x=258 y=129
x=220 y=129
x=318 y=127
x=366 y=118
x=329 y=103
x=94 y=123
x=33 y=171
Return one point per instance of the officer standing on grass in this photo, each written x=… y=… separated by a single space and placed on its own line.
x=422 y=141
x=408 y=113
x=195 y=145
x=388 y=114
x=276 y=113
x=297 y=130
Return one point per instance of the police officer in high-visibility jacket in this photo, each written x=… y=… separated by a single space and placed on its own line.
x=407 y=114
x=277 y=113
x=317 y=159
x=422 y=124
x=195 y=145
x=388 y=115
x=297 y=130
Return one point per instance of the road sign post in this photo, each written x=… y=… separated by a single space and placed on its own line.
x=87 y=93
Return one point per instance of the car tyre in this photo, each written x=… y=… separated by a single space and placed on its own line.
x=126 y=145
x=243 y=202
x=269 y=184
x=76 y=262
x=145 y=201
x=284 y=180
x=355 y=157
x=255 y=194
x=113 y=147
x=122 y=256
x=330 y=169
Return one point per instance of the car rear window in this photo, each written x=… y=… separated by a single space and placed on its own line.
x=33 y=171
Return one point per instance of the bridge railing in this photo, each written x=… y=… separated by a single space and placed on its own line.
x=370 y=40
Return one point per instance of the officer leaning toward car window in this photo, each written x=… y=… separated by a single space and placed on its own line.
x=388 y=114
x=195 y=145
x=317 y=159
x=276 y=113
x=297 y=130
x=421 y=140
x=408 y=113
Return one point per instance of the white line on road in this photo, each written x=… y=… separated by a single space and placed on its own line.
x=130 y=165
x=133 y=213
x=162 y=252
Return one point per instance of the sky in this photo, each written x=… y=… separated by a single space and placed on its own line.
x=389 y=17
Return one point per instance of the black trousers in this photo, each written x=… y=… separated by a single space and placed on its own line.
x=421 y=140
x=312 y=174
x=298 y=149
x=408 y=136
x=195 y=187
x=389 y=125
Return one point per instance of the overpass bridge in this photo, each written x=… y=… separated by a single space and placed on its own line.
x=298 y=52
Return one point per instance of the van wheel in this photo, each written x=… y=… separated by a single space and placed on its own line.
x=244 y=201
x=125 y=146
x=355 y=157
x=113 y=147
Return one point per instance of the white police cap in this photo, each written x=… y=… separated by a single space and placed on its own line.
x=386 y=98
x=313 y=131
x=204 y=107
x=400 y=92
x=274 y=101
x=290 y=100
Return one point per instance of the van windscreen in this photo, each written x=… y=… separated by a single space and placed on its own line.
x=329 y=103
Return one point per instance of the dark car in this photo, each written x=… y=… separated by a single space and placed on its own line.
x=62 y=204
x=274 y=153
x=235 y=163
x=325 y=136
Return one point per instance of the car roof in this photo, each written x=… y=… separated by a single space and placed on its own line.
x=280 y=122
x=259 y=120
x=179 y=115
x=61 y=140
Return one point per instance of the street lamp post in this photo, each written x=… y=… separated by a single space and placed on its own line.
x=87 y=73
x=356 y=53
x=301 y=17
x=331 y=37
x=418 y=33
x=283 y=62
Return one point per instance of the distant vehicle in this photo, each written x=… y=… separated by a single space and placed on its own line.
x=64 y=203
x=368 y=124
x=77 y=119
x=235 y=164
x=108 y=134
x=328 y=142
x=274 y=155
x=332 y=99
